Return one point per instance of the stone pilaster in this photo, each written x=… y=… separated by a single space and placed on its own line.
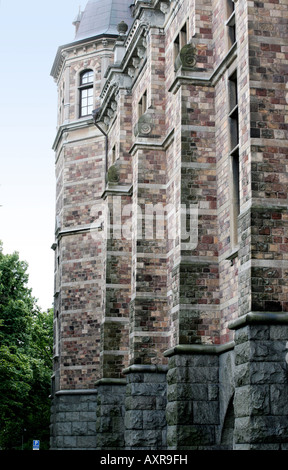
x=192 y=398
x=73 y=420
x=145 y=421
x=110 y=414
x=260 y=403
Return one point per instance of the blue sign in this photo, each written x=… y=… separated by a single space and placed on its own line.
x=36 y=445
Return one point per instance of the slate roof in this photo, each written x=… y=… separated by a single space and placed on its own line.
x=102 y=17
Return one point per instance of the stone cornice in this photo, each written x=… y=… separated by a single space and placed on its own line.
x=125 y=73
x=66 y=48
x=71 y=126
x=148 y=143
x=77 y=230
x=110 y=381
x=77 y=392
x=199 y=349
x=117 y=190
x=263 y=318
x=139 y=368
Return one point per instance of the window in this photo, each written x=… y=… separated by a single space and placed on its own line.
x=230 y=23
x=181 y=40
x=233 y=111
x=142 y=105
x=86 y=93
x=56 y=333
x=234 y=155
x=113 y=155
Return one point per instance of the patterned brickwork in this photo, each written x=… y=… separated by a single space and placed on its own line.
x=171 y=224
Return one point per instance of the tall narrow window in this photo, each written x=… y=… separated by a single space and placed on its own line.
x=233 y=111
x=234 y=155
x=142 y=105
x=180 y=40
x=56 y=333
x=230 y=23
x=113 y=155
x=86 y=93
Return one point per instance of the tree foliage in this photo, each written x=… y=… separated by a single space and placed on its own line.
x=26 y=339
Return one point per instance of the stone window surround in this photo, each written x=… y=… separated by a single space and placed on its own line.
x=83 y=87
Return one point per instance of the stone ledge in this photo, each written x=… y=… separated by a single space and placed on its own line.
x=268 y=318
x=117 y=190
x=145 y=368
x=203 y=79
x=199 y=349
x=77 y=392
x=110 y=381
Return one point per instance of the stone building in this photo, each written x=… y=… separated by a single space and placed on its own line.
x=171 y=240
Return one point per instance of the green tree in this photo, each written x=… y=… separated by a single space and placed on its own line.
x=26 y=338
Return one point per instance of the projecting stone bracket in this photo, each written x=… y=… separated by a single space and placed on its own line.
x=187 y=57
x=113 y=174
x=144 y=126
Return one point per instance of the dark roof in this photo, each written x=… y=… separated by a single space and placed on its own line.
x=102 y=17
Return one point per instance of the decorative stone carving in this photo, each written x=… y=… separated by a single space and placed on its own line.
x=164 y=7
x=144 y=126
x=113 y=175
x=131 y=72
x=187 y=57
x=122 y=28
x=141 y=51
x=136 y=62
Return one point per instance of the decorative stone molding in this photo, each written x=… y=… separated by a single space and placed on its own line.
x=141 y=52
x=144 y=126
x=264 y=318
x=187 y=57
x=139 y=368
x=112 y=189
x=200 y=349
x=165 y=7
x=122 y=28
x=113 y=175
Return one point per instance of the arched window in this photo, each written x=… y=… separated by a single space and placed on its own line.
x=86 y=93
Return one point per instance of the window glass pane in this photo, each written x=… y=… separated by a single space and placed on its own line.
x=87 y=77
x=86 y=101
x=86 y=93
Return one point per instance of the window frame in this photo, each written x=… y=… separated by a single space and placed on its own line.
x=181 y=39
x=230 y=23
x=233 y=126
x=142 y=105
x=86 y=87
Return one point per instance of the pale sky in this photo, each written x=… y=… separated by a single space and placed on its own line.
x=30 y=33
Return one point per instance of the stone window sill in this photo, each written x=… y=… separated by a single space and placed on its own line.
x=233 y=254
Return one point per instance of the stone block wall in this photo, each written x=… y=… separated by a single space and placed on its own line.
x=181 y=340
x=260 y=402
x=193 y=401
x=110 y=415
x=73 y=426
x=145 y=404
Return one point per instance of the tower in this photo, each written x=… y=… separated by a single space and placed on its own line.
x=79 y=70
x=171 y=306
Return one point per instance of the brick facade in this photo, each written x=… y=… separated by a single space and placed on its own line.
x=171 y=248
